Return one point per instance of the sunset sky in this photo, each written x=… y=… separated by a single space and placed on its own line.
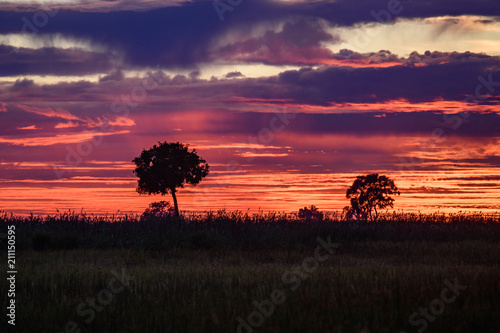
x=288 y=101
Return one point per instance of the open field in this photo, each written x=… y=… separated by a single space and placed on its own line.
x=201 y=275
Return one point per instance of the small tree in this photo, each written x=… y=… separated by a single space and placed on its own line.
x=311 y=213
x=367 y=193
x=168 y=166
x=158 y=210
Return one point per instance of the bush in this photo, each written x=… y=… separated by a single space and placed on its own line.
x=310 y=214
x=158 y=210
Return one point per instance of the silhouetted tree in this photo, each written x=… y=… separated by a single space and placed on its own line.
x=311 y=213
x=368 y=193
x=168 y=166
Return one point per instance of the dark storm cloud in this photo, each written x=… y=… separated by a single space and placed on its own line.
x=233 y=75
x=348 y=12
x=90 y=6
x=176 y=36
x=181 y=36
x=16 y=61
x=428 y=77
x=453 y=79
x=114 y=76
x=298 y=43
x=22 y=84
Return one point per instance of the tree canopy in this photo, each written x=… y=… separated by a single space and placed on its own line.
x=167 y=166
x=367 y=193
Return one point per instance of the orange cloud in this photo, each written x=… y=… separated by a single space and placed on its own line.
x=122 y=121
x=49 y=112
x=396 y=105
x=32 y=127
x=66 y=125
x=250 y=154
x=364 y=63
x=57 y=139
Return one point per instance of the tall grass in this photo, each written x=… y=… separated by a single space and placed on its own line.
x=232 y=230
x=199 y=273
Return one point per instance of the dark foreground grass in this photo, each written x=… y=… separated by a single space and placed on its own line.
x=202 y=275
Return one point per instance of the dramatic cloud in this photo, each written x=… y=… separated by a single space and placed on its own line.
x=114 y=76
x=91 y=6
x=298 y=43
x=48 y=112
x=182 y=35
x=233 y=75
x=23 y=61
x=431 y=77
x=454 y=78
x=56 y=139
x=66 y=125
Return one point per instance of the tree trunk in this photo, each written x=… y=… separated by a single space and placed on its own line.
x=175 y=202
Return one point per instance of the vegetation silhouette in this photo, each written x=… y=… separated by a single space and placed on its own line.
x=311 y=213
x=158 y=210
x=168 y=166
x=220 y=260
x=237 y=230
x=367 y=193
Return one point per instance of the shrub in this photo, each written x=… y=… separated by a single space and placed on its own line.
x=311 y=213
x=158 y=210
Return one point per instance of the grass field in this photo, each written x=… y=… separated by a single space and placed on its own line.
x=232 y=272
